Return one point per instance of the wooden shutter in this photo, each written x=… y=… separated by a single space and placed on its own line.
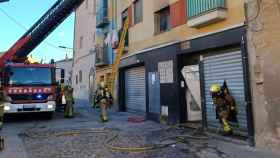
x=178 y=13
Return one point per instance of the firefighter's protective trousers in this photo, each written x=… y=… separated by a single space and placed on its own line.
x=103 y=108
x=223 y=113
x=69 y=109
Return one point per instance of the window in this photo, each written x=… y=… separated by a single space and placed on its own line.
x=93 y=37
x=94 y=7
x=162 y=20
x=138 y=11
x=81 y=42
x=124 y=16
x=86 y=4
x=80 y=76
x=77 y=79
x=91 y=79
x=36 y=76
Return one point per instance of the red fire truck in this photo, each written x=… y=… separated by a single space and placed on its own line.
x=30 y=87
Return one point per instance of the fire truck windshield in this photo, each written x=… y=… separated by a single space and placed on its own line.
x=30 y=76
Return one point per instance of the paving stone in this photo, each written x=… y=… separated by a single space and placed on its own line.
x=92 y=145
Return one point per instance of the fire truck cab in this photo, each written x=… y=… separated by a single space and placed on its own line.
x=32 y=87
x=29 y=88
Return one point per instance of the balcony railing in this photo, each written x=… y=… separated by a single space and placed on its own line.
x=199 y=7
x=101 y=58
x=102 y=14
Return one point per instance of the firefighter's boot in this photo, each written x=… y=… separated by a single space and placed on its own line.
x=227 y=130
x=2 y=145
x=69 y=110
x=104 y=118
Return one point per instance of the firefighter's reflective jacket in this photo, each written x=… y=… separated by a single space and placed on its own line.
x=103 y=94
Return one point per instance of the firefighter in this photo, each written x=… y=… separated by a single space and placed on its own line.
x=104 y=99
x=1 y=125
x=225 y=106
x=2 y=99
x=69 y=107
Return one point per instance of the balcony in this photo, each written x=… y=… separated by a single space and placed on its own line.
x=101 y=58
x=205 y=12
x=102 y=18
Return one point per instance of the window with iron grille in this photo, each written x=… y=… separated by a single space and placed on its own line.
x=86 y=4
x=80 y=76
x=77 y=79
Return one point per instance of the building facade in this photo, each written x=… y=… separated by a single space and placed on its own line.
x=104 y=34
x=176 y=50
x=84 y=52
x=263 y=46
x=67 y=65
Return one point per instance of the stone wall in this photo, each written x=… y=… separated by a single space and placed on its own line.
x=263 y=18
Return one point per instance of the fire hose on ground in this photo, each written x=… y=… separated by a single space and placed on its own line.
x=109 y=141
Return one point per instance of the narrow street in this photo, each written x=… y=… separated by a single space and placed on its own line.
x=85 y=137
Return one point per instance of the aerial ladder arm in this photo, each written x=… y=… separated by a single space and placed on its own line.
x=40 y=30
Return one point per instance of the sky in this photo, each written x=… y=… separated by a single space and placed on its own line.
x=26 y=13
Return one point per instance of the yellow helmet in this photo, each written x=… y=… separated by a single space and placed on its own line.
x=215 y=88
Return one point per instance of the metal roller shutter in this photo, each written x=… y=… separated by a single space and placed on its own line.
x=135 y=89
x=217 y=68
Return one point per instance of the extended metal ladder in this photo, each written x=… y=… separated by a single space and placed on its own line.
x=121 y=47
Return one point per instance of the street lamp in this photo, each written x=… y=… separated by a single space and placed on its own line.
x=68 y=48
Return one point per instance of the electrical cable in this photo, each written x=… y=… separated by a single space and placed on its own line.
x=261 y=25
x=25 y=28
x=278 y=5
x=258 y=11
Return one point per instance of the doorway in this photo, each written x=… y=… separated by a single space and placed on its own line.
x=190 y=89
x=193 y=94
